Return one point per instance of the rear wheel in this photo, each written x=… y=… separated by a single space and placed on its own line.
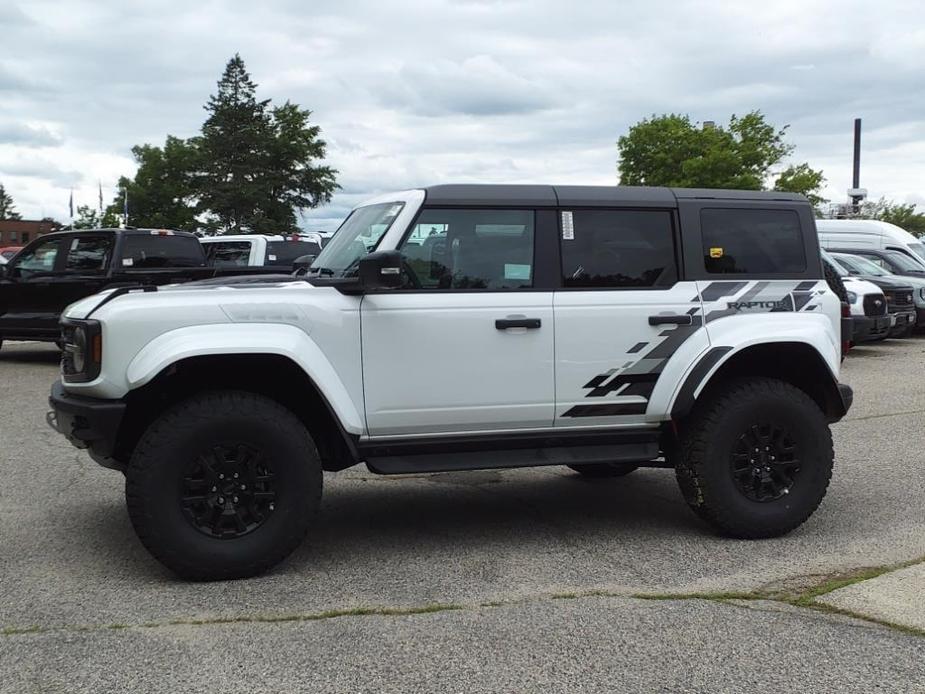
x=604 y=469
x=224 y=485
x=755 y=458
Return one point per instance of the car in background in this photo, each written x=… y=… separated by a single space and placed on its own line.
x=260 y=250
x=868 y=234
x=7 y=253
x=894 y=262
x=860 y=266
x=866 y=303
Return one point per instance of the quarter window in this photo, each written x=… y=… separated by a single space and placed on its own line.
x=617 y=248
x=752 y=241
x=228 y=253
x=470 y=249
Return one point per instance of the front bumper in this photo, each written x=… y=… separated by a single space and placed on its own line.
x=902 y=321
x=867 y=328
x=86 y=422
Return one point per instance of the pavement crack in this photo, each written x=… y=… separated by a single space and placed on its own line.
x=881 y=416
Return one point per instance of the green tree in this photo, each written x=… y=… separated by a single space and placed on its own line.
x=160 y=195
x=800 y=178
x=257 y=163
x=90 y=218
x=900 y=214
x=7 y=210
x=671 y=150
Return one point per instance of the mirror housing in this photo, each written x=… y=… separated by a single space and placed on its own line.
x=380 y=270
x=301 y=264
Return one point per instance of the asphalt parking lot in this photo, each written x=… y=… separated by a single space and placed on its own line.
x=530 y=580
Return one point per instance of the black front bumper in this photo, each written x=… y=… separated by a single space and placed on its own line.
x=86 y=422
x=867 y=328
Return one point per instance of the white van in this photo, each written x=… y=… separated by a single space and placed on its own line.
x=860 y=234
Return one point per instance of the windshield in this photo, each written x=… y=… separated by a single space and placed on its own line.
x=861 y=266
x=358 y=235
x=918 y=249
x=838 y=267
x=904 y=262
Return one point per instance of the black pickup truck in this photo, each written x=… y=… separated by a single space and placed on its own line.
x=58 y=269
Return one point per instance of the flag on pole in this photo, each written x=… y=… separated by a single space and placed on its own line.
x=101 y=201
x=125 y=206
x=70 y=205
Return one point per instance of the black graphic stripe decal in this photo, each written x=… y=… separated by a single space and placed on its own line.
x=717 y=290
x=607 y=410
x=635 y=348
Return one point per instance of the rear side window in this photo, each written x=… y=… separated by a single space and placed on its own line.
x=285 y=252
x=155 y=250
x=756 y=242
x=228 y=253
x=88 y=254
x=617 y=248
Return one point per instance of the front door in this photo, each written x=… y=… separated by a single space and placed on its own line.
x=28 y=296
x=620 y=316
x=466 y=346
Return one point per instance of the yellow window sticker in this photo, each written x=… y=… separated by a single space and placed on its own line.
x=716 y=252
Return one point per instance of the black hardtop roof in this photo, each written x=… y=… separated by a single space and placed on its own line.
x=512 y=195
x=129 y=230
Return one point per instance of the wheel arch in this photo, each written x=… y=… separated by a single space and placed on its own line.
x=273 y=375
x=795 y=362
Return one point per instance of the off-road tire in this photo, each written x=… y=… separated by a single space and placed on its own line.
x=598 y=470
x=171 y=444
x=709 y=438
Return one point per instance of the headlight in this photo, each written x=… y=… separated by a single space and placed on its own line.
x=852 y=298
x=83 y=350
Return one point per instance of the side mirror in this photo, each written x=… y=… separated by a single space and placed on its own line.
x=380 y=270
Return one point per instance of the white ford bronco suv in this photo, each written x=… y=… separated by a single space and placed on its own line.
x=464 y=327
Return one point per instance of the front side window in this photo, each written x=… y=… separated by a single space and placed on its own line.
x=228 y=253
x=617 y=248
x=357 y=236
x=470 y=249
x=88 y=254
x=903 y=263
x=39 y=258
x=758 y=242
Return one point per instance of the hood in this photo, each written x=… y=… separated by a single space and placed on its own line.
x=859 y=286
x=892 y=283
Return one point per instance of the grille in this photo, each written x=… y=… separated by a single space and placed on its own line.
x=901 y=297
x=874 y=305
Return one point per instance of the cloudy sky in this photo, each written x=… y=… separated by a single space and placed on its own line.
x=412 y=93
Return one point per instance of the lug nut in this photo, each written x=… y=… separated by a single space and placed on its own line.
x=236 y=475
x=221 y=475
x=243 y=486
x=221 y=500
x=214 y=489
x=234 y=499
x=272 y=507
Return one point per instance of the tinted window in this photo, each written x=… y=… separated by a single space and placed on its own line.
x=470 y=249
x=285 y=252
x=752 y=241
x=228 y=253
x=617 y=248
x=88 y=253
x=155 y=250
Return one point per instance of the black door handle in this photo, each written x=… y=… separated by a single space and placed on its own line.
x=528 y=323
x=686 y=319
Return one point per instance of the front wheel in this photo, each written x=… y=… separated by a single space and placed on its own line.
x=755 y=458
x=224 y=485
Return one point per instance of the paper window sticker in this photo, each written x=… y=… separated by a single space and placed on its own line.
x=568 y=226
x=516 y=271
x=128 y=262
x=271 y=257
x=716 y=252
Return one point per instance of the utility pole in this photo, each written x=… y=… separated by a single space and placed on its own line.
x=856 y=193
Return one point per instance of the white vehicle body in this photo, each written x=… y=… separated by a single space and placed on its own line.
x=871 y=234
x=503 y=380
x=859 y=290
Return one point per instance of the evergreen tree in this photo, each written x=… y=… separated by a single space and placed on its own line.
x=257 y=162
x=6 y=205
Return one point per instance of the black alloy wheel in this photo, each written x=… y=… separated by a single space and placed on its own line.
x=765 y=462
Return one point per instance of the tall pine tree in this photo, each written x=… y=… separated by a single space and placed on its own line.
x=256 y=163
x=6 y=205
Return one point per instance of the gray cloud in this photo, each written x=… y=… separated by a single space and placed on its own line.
x=411 y=93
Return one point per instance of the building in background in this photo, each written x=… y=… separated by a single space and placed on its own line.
x=19 y=232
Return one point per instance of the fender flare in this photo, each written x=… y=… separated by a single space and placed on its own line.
x=243 y=338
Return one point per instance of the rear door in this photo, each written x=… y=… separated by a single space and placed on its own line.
x=621 y=314
x=466 y=345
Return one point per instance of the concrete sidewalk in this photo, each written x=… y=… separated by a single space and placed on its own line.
x=897 y=597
